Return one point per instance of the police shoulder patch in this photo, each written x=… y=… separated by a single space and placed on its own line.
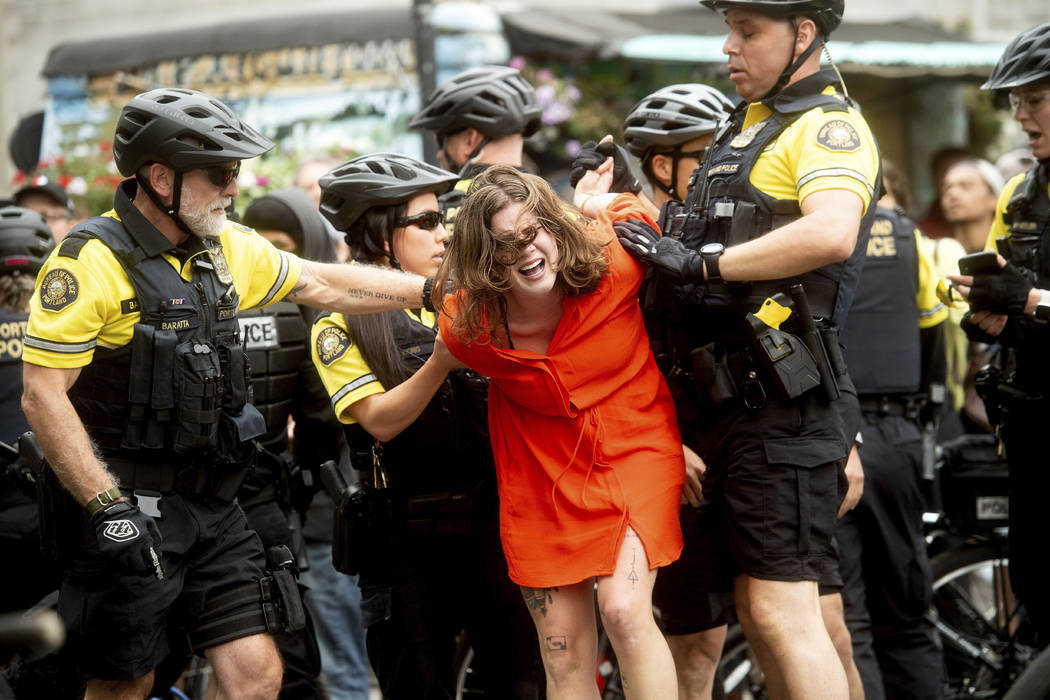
x=58 y=289
x=332 y=343
x=241 y=227
x=839 y=135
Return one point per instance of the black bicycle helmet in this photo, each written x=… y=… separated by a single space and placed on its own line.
x=826 y=13
x=1025 y=60
x=25 y=240
x=183 y=129
x=495 y=100
x=378 y=179
x=672 y=116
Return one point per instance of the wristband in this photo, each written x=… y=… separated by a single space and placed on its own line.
x=102 y=499
x=428 y=290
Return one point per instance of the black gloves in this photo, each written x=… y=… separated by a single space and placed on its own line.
x=129 y=539
x=1002 y=292
x=594 y=154
x=667 y=255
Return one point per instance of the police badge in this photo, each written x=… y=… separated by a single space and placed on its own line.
x=222 y=268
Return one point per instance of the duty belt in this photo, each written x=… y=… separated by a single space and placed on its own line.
x=175 y=478
x=889 y=405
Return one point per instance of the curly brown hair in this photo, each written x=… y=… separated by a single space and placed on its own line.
x=478 y=259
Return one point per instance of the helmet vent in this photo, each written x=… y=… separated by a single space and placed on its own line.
x=165 y=99
x=197 y=113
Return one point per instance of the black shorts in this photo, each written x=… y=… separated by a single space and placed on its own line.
x=691 y=594
x=119 y=625
x=778 y=474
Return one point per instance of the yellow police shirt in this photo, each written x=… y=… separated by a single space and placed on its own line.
x=344 y=372
x=931 y=311
x=819 y=151
x=88 y=301
x=999 y=227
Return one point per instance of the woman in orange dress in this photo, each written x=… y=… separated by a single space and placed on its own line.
x=588 y=455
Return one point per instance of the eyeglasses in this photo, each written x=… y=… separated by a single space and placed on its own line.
x=221 y=176
x=1030 y=100
x=698 y=154
x=427 y=220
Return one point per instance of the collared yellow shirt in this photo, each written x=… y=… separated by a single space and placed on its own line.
x=819 y=151
x=345 y=374
x=931 y=310
x=89 y=301
x=999 y=227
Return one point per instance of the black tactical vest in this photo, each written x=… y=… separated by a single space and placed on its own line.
x=12 y=420
x=881 y=334
x=275 y=341
x=180 y=390
x=447 y=447
x=724 y=207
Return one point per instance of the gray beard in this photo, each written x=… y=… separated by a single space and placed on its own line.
x=202 y=224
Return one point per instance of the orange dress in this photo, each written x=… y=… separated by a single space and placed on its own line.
x=584 y=437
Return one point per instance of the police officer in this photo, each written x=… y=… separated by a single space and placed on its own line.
x=25 y=241
x=1012 y=306
x=480 y=117
x=896 y=356
x=781 y=197
x=419 y=437
x=138 y=391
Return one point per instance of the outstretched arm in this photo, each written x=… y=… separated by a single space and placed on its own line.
x=356 y=289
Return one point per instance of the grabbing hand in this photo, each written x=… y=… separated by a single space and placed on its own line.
x=669 y=256
x=443 y=357
x=855 y=477
x=593 y=154
x=693 y=490
x=129 y=538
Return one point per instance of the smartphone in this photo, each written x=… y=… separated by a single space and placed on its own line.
x=980 y=263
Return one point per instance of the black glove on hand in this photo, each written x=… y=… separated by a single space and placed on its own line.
x=667 y=255
x=1003 y=292
x=129 y=539
x=594 y=154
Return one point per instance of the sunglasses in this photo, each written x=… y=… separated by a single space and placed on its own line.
x=1030 y=100
x=427 y=220
x=221 y=176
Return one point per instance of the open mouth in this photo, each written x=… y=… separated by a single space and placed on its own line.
x=533 y=270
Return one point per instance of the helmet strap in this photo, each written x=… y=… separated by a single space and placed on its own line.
x=647 y=168
x=476 y=153
x=176 y=199
x=793 y=67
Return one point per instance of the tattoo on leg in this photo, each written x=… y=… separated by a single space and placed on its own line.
x=537 y=598
x=632 y=575
x=557 y=643
x=623 y=681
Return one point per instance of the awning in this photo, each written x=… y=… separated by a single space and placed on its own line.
x=99 y=56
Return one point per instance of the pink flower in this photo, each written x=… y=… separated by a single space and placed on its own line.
x=517 y=62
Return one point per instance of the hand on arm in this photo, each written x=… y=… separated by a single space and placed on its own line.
x=693 y=491
x=855 y=477
x=356 y=289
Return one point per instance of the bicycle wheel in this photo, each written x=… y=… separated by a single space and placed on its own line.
x=467 y=683
x=981 y=628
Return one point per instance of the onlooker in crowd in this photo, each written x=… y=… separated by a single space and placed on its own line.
x=968 y=194
x=49 y=199
x=932 y=223
x=285 y=379
x=1015 y=162
x=307 y=179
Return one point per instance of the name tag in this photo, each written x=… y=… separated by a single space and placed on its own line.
x=259 y=332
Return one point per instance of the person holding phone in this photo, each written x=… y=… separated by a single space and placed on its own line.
x=1010 y=304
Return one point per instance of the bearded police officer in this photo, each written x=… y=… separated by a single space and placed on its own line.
x=1012 y=305
x=774 y=213
x=137 y=389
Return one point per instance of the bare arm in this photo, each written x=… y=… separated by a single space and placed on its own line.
x=387 y=414
x=62 y=436
x=826 y=233
x=356 y=289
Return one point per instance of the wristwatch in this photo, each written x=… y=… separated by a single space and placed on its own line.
x=710 y=253
x=1042 y=307
x=103 y=499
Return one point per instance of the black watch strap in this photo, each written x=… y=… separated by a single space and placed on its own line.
x=711 y=265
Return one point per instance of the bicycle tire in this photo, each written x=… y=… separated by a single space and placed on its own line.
x=977 y=619
x=1034 y=682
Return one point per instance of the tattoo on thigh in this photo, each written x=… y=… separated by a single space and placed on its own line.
x=632 y=575
x=537 y=598
x=557 y=643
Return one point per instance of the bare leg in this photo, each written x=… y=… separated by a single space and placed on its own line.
x=568 y=637
x=835 y=621
x=774 y=679
x=786 y=617
x=695 y=660
x=625 y=602
x=249 y=667
x=136 y=689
